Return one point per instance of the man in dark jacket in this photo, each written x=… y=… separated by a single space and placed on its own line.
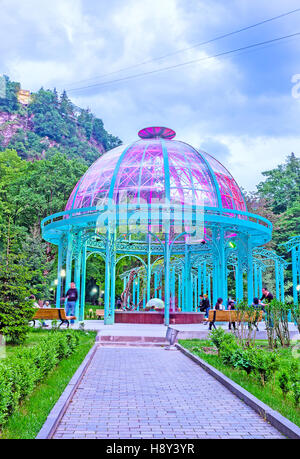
x=72 y=296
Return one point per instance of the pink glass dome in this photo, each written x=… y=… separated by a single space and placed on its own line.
x=157 y=169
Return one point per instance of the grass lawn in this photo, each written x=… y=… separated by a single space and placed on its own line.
x=270 y=394
x=26 y=422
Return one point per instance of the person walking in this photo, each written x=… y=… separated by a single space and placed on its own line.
x=205 y=306
x=71 y=296
x=218 y=306
x=199 y=307
x=266 y=298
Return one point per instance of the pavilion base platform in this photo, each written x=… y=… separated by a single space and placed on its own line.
x=142 y=317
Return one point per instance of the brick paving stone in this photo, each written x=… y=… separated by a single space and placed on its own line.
x=152 y=393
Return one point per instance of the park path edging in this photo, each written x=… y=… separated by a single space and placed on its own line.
x=281 y=423
x=62 y=403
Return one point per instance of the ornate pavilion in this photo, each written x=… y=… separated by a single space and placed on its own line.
x=176 y=210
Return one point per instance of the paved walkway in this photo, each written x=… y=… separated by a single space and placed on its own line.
x=153 y=393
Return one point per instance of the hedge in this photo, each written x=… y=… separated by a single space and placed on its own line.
x=21 y=373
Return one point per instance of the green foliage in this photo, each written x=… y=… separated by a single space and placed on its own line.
x=224 y=342
x=243 y=359
x=281 y=187
x=21 y=373
x=277 y=323
x=54 y=123
x=284 y=382
x=15 y=309
x=10 y=103
x=265 y=364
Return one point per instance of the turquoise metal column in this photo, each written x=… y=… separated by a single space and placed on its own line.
x=160 y=283
x=138 y=293
x=196 y=294
x=113 y=280
x=209 y=288
x=83 y=281
x=204 y=278
x=294 y=267
x=133 y=292
x=282 y=282
x=277 y=280
x=215 y=273
x=250 y=272
x=167 y=278
x=222 y=268
x=199 y=282
x=260 y=282
x=77 y=282
x=188 y=283
x=107 y=318
x=59 y=268
x=255 y=281
x=240 y=293
x=155 y=285
x=69 y=262
x=149 y=268
x=179 y=291
x=173 y=289
x=182 y=289
x=236 y=282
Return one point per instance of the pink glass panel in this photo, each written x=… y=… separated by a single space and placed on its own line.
x=230 y=193
x=140 y=176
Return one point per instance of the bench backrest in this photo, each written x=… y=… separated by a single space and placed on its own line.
x=50 y=314
x=234 y=316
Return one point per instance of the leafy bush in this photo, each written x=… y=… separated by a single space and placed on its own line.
x=284 y=382
x=227 y=350
x=219 y=337
x=265 y=364
x=15 y=309
x=20 y=374
x=14 y=320
x=243 y=359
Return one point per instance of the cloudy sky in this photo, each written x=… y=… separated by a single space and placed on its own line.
x=238 y=107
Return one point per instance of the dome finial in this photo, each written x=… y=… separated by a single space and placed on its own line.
x=157 y=132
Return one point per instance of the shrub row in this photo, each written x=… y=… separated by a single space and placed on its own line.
x=260 y=362
x=20 y=374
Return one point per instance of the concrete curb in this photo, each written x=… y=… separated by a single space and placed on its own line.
x=62 y=403
x=288 y=428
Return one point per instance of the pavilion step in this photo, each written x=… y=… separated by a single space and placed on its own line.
x=131 y=344
x=131 y=340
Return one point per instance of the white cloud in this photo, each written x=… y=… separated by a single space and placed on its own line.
x=242 y=107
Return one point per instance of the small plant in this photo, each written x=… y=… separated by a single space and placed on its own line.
x=265 y=364
x=284 y=382
x=227 y=350
x=54 y=324
x=295 y=381
x=217 y=337
x=243 y=359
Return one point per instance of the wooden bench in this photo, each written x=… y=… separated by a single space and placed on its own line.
x=52 y=314
x=99 y=313
x=216 y=315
